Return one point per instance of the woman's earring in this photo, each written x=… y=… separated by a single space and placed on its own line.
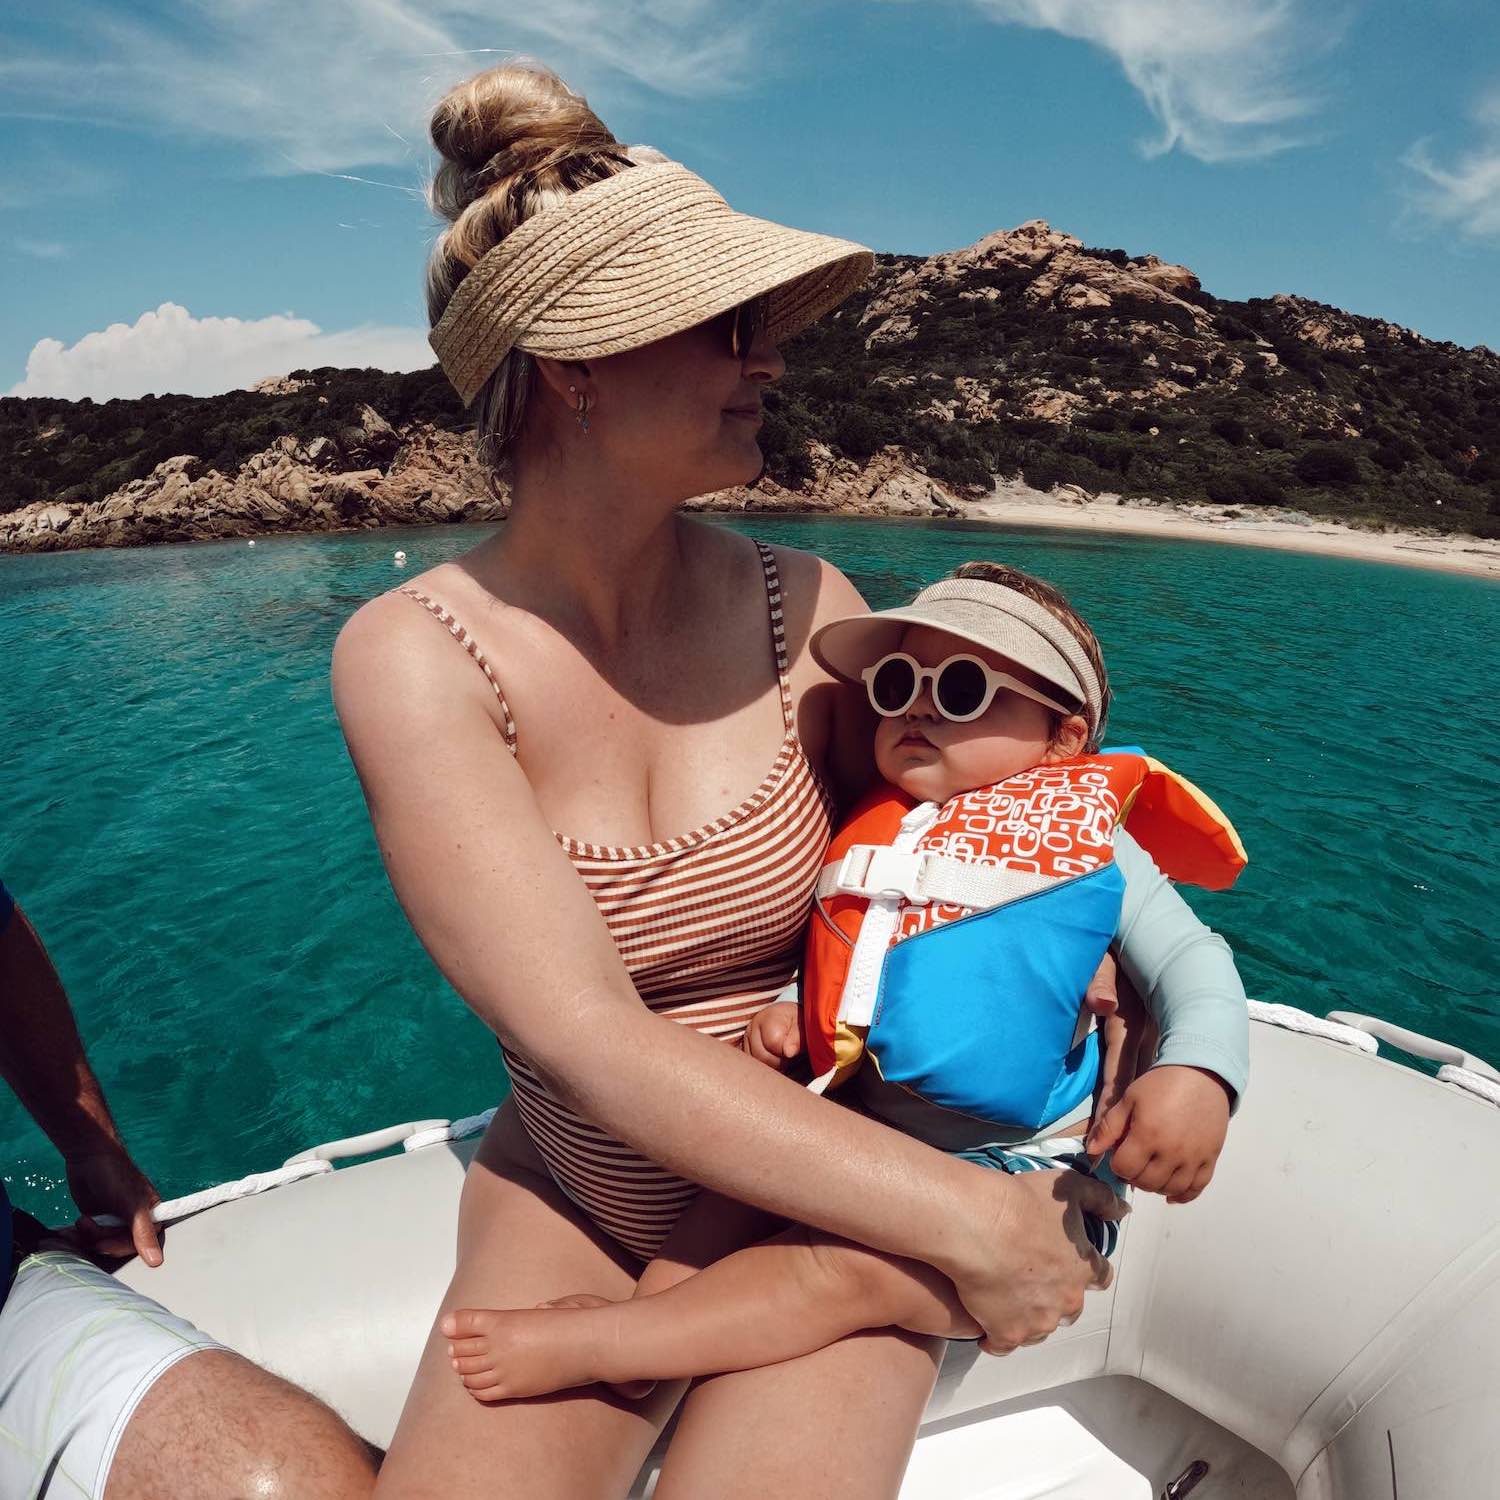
x=583 y=411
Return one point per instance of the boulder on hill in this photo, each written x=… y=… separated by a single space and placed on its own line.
x=886 y=484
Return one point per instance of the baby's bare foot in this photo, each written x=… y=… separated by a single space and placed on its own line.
x=503 y=1355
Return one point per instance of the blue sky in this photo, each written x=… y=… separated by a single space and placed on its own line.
x=196 y=193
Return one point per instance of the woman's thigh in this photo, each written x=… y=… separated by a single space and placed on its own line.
x=838 y=1424
x=520 y=1242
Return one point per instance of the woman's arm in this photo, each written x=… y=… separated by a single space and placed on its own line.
x=504 y=916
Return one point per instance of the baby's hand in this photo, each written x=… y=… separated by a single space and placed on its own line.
x=1166 y=1132
x=774 y=1034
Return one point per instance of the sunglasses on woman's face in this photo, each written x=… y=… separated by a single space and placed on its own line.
x=742 y=325
x=963 y=687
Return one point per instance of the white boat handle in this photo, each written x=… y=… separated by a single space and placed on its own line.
x=367 y=1144
x=1415 y=1043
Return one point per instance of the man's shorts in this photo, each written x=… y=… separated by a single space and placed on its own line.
x=1057 y=1152
x=78 y=1351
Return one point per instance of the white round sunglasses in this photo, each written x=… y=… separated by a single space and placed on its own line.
x=963 y=687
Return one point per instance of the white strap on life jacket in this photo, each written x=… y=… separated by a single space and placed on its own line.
x=921 y=878
x=857 y=1003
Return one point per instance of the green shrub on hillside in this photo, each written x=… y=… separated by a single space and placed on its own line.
x=1244 y=486
x=1328 y=463
x=858 y=433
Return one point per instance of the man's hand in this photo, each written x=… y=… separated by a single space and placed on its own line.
x=107 y=1181
x=774 y=1035
x=1166 y=1131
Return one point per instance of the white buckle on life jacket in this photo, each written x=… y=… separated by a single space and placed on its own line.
x=875 y=871
x=872 y=870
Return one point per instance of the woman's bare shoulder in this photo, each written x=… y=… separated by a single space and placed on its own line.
x=394 y=656
x=381 y=634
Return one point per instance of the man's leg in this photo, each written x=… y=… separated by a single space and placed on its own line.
x=215 y=1425
x=103 y=1391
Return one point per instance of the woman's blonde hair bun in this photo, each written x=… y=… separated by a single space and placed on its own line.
x=513 y=140
x=516 y=125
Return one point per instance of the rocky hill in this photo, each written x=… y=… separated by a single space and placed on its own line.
x=1025 y=356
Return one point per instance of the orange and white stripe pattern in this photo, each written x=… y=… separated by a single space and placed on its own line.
x=710 y=926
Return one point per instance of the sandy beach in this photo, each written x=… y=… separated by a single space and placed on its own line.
x=1016 y=505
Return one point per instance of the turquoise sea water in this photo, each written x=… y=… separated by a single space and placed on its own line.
x=179 y=818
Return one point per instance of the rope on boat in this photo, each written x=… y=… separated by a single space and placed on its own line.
x=311 y=1163
x=226 y=1192
x=455 y=1130
x=1289 y=1018
x=1473 y=1083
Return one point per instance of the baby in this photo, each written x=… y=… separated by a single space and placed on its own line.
x=945 y=972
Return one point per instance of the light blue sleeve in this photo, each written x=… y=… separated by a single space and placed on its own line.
x=1184 y=971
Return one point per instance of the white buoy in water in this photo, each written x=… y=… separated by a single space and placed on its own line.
x=400 y=559
x=249 y=544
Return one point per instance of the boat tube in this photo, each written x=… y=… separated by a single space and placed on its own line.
x=1323 y=1324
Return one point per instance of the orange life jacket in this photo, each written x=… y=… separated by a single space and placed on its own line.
x=1033 y=857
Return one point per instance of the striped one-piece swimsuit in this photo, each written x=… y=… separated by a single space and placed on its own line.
x=710 y=927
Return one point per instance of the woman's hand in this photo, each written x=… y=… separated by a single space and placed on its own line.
x=1031 y=1262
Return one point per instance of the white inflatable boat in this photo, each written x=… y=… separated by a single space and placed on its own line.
x=1323 y=1324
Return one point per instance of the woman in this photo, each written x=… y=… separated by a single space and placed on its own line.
x=629 y=674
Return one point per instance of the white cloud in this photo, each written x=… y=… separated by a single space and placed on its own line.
x=41 y=249
x=171 y=351
x=1225 y=78
x=1466 y=195
x=345 y=82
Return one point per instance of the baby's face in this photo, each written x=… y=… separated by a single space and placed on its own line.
x=932 y=758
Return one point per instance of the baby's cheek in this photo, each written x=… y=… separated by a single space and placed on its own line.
x=986 y=759
x=887 y=732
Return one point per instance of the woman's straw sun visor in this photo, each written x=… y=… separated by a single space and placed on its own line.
x=634 y=258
